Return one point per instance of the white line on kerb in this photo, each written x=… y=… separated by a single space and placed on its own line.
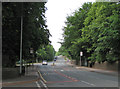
x=38 y=85
x=44 y=84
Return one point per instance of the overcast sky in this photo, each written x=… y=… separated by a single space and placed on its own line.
x=56 y=15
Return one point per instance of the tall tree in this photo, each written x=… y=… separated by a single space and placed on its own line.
x=35 y=32
x=73 y=32
x=93 y=29
x=46 y=52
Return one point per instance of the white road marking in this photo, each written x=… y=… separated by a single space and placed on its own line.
x=88 y=83
x=44 y=84
x=62 y=70
x=38 y=85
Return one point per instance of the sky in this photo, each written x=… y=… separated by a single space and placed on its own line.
x=56 y=15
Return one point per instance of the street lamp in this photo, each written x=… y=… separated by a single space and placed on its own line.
x=21 y=40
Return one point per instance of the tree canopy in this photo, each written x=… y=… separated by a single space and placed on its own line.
x=46 y=53
x=35 y=32
x=94 y=29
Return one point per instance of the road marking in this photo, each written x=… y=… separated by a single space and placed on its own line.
x=42 y=77
x=44 y=84
x=58 y=81
x=61 y=70
x=65 y=76
x=88 y=83
x=42 y=81
x=38 y=85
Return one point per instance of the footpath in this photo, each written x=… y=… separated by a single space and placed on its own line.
x=109 y=72
x=28 y=80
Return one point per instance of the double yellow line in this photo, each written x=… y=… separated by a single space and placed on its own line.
x=42 y=77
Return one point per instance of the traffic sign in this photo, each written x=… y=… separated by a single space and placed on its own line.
x=81 y=53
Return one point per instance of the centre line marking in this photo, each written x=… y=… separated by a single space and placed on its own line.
x=75 y=80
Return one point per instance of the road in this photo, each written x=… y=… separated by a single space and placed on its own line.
x=65 y=76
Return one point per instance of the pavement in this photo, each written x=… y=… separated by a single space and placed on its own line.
x=28 y=80
x=110 y=72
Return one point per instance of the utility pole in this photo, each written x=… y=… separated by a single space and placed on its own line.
x=21 y=39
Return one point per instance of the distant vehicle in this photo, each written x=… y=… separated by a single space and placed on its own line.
x=55 y=57
x=44 y=62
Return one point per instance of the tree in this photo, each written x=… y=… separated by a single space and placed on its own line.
x=35 y=32
x=94 y=30
x=73 y=33
x=46 y=52
x=100 y=32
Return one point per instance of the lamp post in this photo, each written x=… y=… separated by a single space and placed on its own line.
x=21 y=41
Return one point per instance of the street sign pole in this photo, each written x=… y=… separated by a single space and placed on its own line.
x=81 y=54
x=80 y=60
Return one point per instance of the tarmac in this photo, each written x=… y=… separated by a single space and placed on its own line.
x=32 y=76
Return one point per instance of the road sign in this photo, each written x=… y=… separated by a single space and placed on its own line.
x=31 y=50
x=81 y=53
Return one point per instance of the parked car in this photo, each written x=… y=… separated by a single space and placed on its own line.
x=44 y=62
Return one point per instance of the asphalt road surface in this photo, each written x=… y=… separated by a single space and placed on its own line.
x=64 y=76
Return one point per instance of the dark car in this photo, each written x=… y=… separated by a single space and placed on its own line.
x=55 y=57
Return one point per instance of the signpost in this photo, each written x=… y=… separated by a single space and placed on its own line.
x=32 y=51
x=81 y=54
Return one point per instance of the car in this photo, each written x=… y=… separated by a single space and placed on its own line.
x=55 y=57
x=44 y=62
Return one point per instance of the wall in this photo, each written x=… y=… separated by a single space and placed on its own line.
x=106 y=66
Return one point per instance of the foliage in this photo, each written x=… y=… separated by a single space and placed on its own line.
x=46 y=53
x=35 y=32
x=73 y=32
x=94 y=30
